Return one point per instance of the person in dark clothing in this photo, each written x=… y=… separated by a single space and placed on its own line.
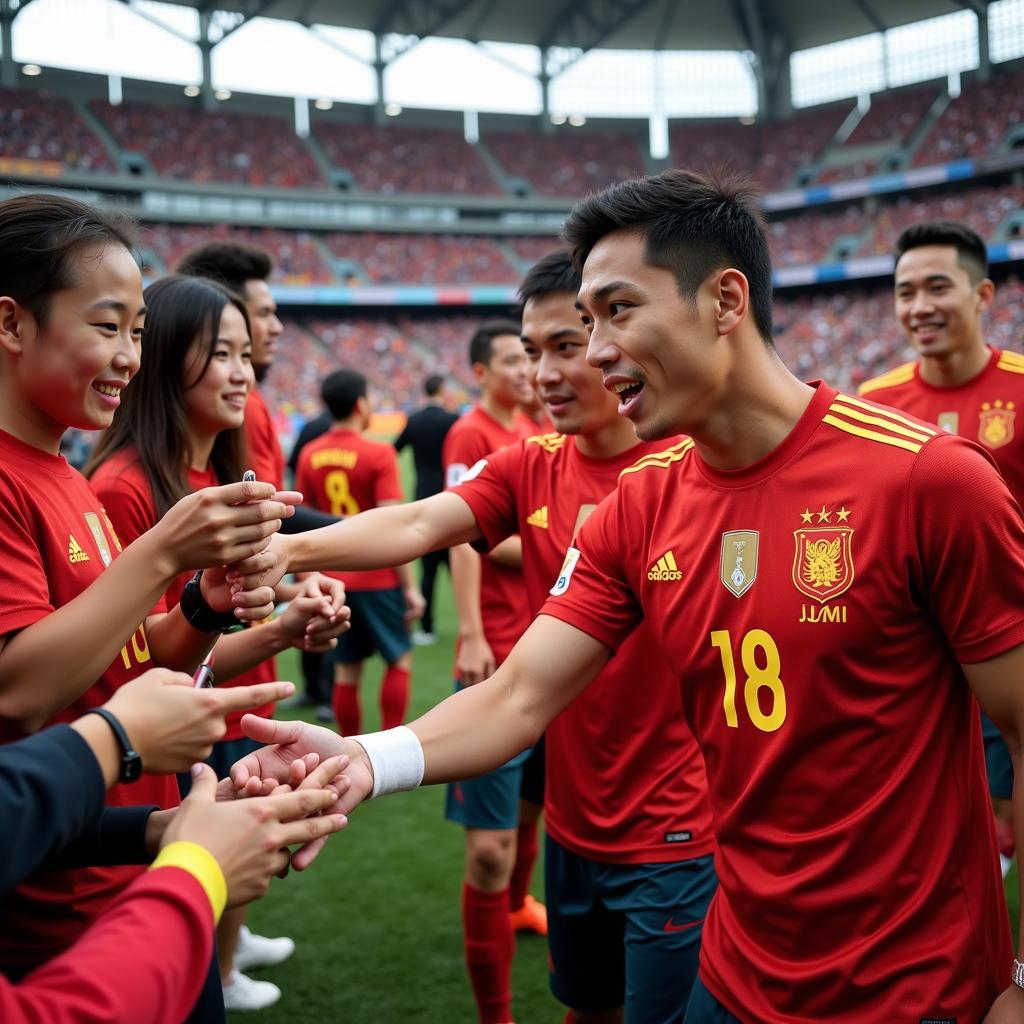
x=424 y=432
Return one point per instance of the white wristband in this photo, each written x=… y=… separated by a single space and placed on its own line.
x=396 y=758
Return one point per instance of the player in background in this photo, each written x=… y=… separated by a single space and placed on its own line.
x=178 y=429
x=75 y=612
x=500 y=810
x=850 y=579
x=245 y=270
x=967 y=387
x=628 y=869
x=424 y=432
x=344 y=473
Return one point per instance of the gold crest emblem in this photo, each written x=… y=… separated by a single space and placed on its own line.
x=738 y=564
x=823 y=562
x=995 y=426
x=99 y=536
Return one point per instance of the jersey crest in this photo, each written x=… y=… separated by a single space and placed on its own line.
x=995 y=427
x=823 y=560
x=738 y=563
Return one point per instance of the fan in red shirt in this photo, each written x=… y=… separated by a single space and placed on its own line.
x=834 y=584
x=198 y=361
x=344 y=473
x=73 y=608
x=969 y=388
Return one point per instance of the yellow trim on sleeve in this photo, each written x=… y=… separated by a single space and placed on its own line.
x=871 y=435
x=916 y=434
x=201 y=865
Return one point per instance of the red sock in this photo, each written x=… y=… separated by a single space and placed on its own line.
x=526 y=857
x=394 y=696
x=345 y=704
x=488 y=942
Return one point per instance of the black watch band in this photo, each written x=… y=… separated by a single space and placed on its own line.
x=199 y=615
x=131 y=762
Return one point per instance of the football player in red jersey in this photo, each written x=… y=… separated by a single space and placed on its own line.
x=850 y=579
x=967 y=387
x=628 y=870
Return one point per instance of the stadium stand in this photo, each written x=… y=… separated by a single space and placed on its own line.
x=773 y=153
x=814 y=237
x=976 y=122
x=188 y=143
x=46 y=127
x=530 y=248
x=398 y=159
x=298 y=259
x=424 y=259
x=567 y=165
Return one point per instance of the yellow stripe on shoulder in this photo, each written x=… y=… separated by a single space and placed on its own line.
x=899 y=375
x=661 y=460
x=881 y=416
x=1010 y=354
x=1015 y=365
x=549 y=442
x=872 y=435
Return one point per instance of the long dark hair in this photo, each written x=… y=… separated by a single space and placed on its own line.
x=151 y=418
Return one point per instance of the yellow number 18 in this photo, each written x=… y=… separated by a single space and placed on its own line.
x=757 y=646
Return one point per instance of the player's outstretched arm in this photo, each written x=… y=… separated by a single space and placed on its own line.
x=996 y=683
x=472 y=732
x=375 y=539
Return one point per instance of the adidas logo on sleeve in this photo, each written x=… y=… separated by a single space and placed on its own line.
x=665 y=569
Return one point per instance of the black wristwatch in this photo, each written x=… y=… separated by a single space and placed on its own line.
x=131 y=762
x=199 y=615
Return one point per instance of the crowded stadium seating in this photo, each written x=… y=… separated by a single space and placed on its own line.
x=399 y=159
x=567 y=164
x=298 y=259
x=976 y=122
x=46 y=127
x=424 y=259
x=189 y=143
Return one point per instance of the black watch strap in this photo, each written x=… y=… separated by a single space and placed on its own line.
x=199 y=615
x=131 y=761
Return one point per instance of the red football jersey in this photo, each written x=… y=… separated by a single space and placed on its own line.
x=502 y=594
x=55 y=539
x=344 y=473
x=625 y=780
x=265 y=456
x=816 y=607
x=983 y=410
x=124 y=490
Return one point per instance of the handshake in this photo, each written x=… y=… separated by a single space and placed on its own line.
x=249 y=830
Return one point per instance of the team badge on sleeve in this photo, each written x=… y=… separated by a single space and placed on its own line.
x=99 y=536
x=572 y=556
x=738 y=565
x=457 y=472
x=823 y=560
x=995 y=426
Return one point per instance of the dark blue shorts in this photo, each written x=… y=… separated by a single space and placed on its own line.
x=998 y=763
x=625 y=934
x=378 y=626
x=491 y=801
x=704 y=1008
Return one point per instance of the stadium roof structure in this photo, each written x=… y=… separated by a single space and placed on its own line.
x=612 y=24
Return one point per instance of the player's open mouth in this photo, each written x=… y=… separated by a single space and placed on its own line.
x=556 y=403
x=629 y=394
x=236 y=399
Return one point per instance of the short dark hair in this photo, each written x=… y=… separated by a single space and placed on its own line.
x=971 y=252
x=553 y=274
x=433 y=384
x=692 y=225
x=481 y=345
x=41 y=234
x=341 y=390
x=230 y=263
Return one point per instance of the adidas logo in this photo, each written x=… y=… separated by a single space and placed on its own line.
x=75 y=552
x=538 y=518
x=665 y=569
